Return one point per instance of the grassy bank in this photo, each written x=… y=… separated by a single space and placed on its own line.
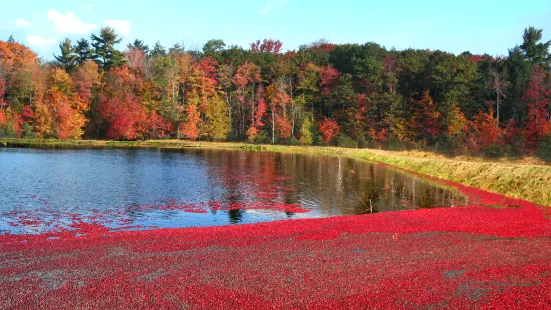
x=518 y=179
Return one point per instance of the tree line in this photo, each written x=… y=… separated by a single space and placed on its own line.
x=349 y=95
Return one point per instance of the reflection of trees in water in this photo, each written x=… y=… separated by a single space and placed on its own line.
x=245 y=177
x=333 y=185
x=235 y=216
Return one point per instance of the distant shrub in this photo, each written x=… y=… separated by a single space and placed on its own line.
x=263 y=138
x=495 y=151
x=544 y=149
x=290 y=141
x=395 y=145
x=362 y=142
x=28 y=131
x=445 y=144
x=346 y=141
x=8 y=132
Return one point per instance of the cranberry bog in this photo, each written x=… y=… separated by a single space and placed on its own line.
x=493 y=253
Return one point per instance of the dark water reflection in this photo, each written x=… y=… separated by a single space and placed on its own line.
x=44 y=188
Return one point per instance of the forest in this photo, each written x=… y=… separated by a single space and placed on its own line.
x=348 y=95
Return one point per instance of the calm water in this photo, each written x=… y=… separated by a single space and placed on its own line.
x=46 y=189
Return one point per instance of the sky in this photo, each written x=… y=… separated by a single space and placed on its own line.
x=478 y=26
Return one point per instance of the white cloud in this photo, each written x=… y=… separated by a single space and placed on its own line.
x=40 y=41
x=22 y=23
x=122 y=27
x=69 y=23
x=272 y=5
x=89 y=7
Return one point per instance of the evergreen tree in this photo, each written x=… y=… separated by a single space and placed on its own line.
x=11 y=39
x=83 y=51
x=68 y=58
x=105 y=54
x=139 y=45
x=158 y=50
x=214 y=48
x=535 y=52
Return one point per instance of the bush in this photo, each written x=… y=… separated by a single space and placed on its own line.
x=544 y=149
x=263 y=138
x=445 y=144
x=362 y=142
x=346 y=141
x=495 y=151
x=7 y=132
x=28 y=131
x=395 y=145
x=292 y=140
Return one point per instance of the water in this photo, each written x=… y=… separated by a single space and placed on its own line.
x=43 y=190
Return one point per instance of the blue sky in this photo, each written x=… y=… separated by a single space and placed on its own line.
x=454 y=26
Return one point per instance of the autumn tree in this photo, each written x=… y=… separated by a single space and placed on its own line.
x=425 y=117
x=536 y=97
x=329 y=129
x=65 y=107
x=306 y=135
x=217 y=125
x=257 y=123
x=246 y=80
x=267 y=46
x=119 y=108
x=482 y=132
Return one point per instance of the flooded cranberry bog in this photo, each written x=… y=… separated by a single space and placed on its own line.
x=214 y=229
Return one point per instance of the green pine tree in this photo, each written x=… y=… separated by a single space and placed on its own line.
x=83 y=50
x=105 y=53
x=68 y=58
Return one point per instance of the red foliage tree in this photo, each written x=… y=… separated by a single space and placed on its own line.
x=329 y=129
x=2 y=92
x=329 y=77
x=245 y=80
x=27 y=113
x=190 y=128
x=257 y=123
x=267 y=46
x=136 y=60
x=67 y=120
x=425 y=118
x=283 y=125
x=157 y=126
x=3 y=118
x=482 y=131
x=119 y=105
x=323 y=46
x=208 y=67
x=86 y=78
x=357 y=116
x=537 y=97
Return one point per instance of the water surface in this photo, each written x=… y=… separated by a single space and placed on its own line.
x=138 y=188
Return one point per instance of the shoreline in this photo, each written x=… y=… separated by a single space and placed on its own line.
x=531 y=182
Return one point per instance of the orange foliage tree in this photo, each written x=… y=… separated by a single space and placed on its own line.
x=119 y=105
x=329 y=129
